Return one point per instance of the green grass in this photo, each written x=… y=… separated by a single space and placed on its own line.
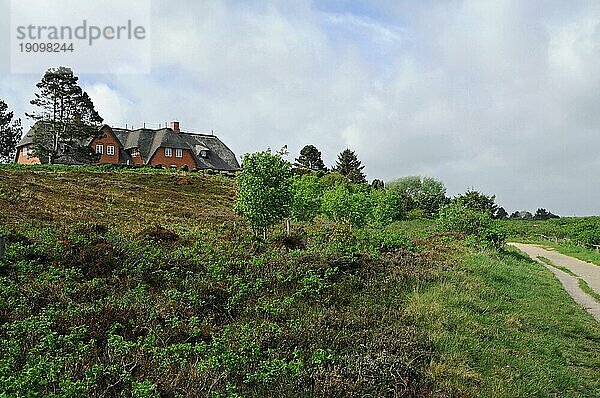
x=560 y=267
x=586 y=288
x=582 y=283
x=570 y=236
x=582 y=253
x=502 y=326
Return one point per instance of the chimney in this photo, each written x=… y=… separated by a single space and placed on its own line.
x=175 y=126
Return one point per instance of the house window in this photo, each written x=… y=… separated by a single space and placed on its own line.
x=100 y=149
x=25 y=151
x=204 y=154
x=110 y=150
x=178 y=153
x=134 y=153
x=168 y=152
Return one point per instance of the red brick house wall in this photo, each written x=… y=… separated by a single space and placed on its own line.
x=107 y=140
x=160 y=158
x=137 y=160
x=26 y=159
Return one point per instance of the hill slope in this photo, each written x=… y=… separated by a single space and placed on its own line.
x=137 y=283
x=128 y=199
x=97 y=300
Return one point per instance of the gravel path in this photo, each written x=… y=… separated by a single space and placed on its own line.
x=586 y=271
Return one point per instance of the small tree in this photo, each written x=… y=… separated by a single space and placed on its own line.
x=264 y=189
x=476 y=224
x=501 y=214
x=349 y=166
x=308 y=192
x=10 y=133
x=525 y=215
x=515 y=216
x=310 y=157
x=387 y=206
x=377 y=184
x=66 y=117
x=478 y=201
x=343 y=204
x=432 y=196
x=543 y=214
x=420 y=195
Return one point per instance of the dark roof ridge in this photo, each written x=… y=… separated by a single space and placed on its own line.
x=195 y=133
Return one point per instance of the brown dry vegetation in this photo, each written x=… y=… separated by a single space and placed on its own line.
x=130 y=200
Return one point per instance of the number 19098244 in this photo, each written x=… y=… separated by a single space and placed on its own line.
x=46 y=47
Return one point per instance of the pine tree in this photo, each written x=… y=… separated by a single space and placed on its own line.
x=66 y=117
x=310 y=157
x=349 y=166
x=378 y=185
x=10 y=133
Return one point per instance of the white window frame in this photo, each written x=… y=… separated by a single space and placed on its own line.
x=100 y=149
x=168 y=152
x=134 y=153
x=178 y=153
x=204 y=154
x=25 y=151
x=110 y=150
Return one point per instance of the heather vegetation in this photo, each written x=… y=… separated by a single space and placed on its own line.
x=147 y=283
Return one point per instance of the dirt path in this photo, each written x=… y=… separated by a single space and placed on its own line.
x=586 y=271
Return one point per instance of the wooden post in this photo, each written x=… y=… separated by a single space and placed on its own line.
x=288 y=226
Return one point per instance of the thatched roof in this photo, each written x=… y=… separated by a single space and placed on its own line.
x=208 y=150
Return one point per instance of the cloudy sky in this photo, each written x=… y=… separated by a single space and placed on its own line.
x=502 y=96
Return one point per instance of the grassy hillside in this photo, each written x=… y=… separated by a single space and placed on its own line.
x=136 y=283
x=129 y=199
x=93 y=302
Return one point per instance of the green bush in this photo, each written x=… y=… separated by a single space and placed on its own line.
x=387 y=206
x=479 y=226
x=264 y=189
x=347 y=205
x=90 y=312
x=308 y=192
x=426 y=194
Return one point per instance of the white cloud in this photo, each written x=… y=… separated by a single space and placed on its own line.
x=109 y=103
x=378 y=32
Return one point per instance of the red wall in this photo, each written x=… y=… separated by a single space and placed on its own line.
x=160 y=158
x=108 y=139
